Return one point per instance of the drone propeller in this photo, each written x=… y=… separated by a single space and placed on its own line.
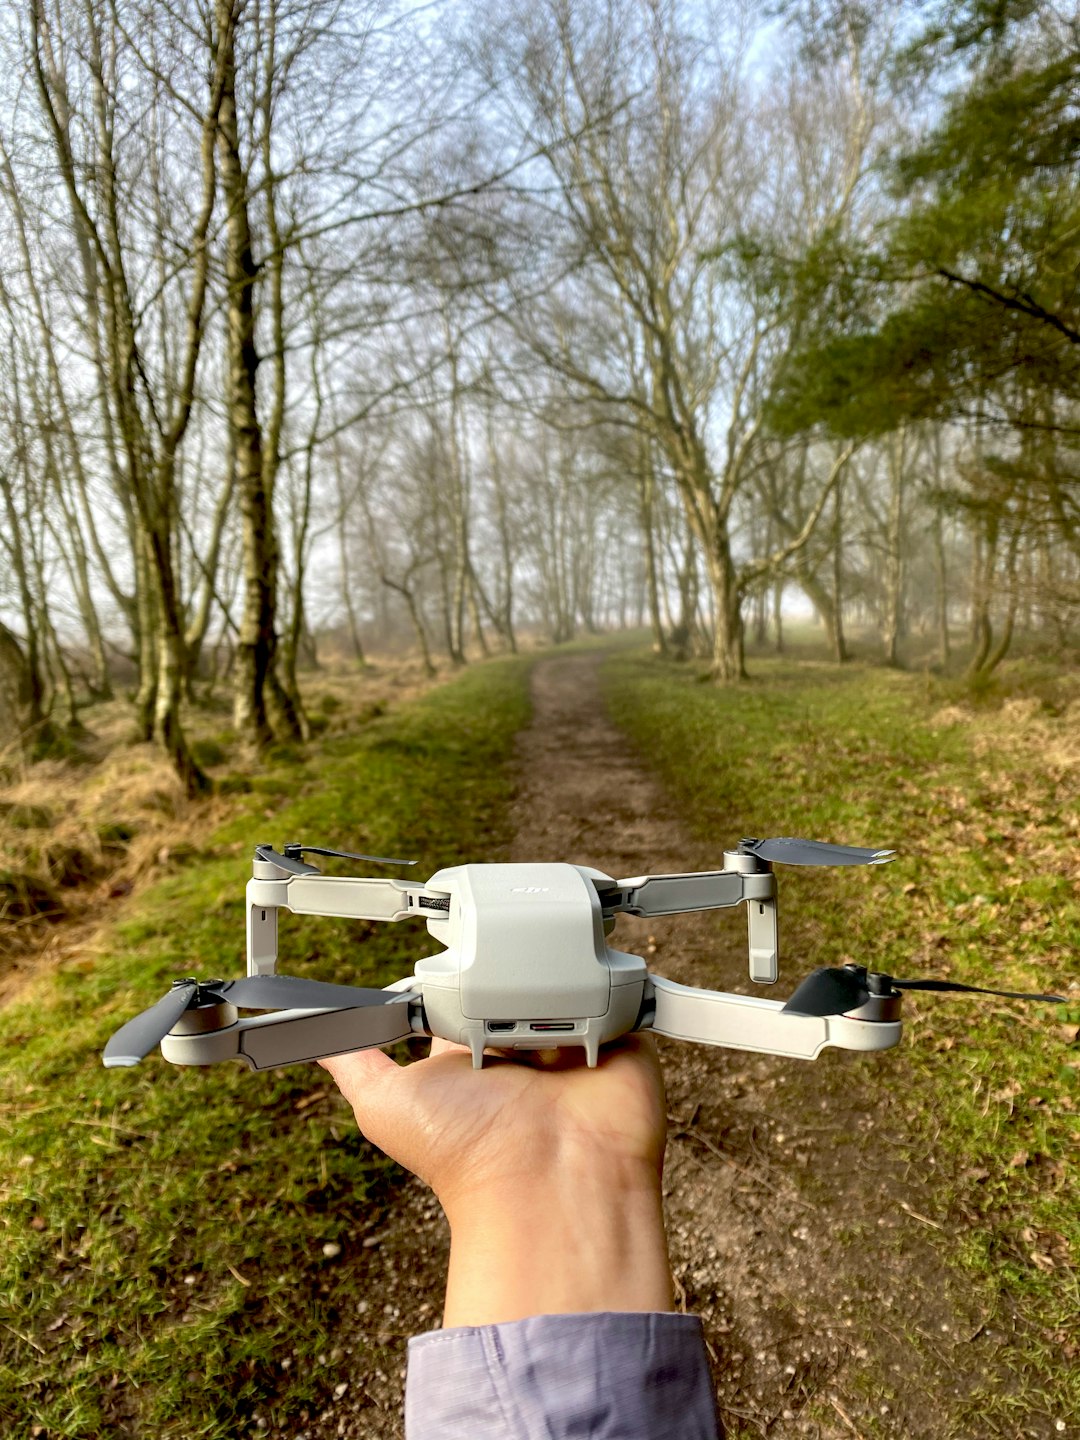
x=290 y=857
x=139 y=1036
x=256 y=992
x=786 y=850
x=837 y=991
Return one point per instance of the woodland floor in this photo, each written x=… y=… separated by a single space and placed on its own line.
x=796 y=1219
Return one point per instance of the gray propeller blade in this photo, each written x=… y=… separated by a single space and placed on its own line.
x=292 y=992
x=787 y=850
x=139 y=1036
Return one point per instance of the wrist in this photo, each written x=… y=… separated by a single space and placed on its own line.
x=564 y=1239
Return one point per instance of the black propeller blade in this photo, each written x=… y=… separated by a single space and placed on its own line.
x=974 y=990
x=829 y=991
x=290 y=857
x=837 y=991
x=297 y=850
x=787 y=850
x=295 y=866
x=255 y=992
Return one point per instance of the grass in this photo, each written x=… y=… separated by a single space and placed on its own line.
x=982 y=804
x=162 y=1269
x=99 y=819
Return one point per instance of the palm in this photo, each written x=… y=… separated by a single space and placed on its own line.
x=457 y=1127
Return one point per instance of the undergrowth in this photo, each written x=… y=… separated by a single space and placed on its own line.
x=162 y=1270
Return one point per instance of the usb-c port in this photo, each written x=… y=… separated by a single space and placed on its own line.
x=500 y=1027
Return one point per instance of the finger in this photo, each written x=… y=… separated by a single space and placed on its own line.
x=358 y=1072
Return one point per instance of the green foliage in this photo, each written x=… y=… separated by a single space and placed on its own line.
x=163 y=1229
x=973 y=286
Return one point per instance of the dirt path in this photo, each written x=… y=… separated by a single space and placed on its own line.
x=794 y=1221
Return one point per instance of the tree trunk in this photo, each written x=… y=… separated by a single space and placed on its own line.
x=404 y=589
x=984 y=552
x=261 y=709
x=728 y=653
x=778 y=616
x=942 y=597
x=894 y=578
x=839 y=642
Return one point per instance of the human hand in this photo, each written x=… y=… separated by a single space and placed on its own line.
x=467 y=1131
x=549 y=1172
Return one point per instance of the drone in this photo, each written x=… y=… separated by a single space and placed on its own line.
x=525 y=965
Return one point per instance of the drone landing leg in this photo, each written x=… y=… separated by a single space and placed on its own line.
x=262 y=939
x=761 y=920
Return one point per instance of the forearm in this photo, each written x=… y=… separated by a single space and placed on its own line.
x=567 y=1240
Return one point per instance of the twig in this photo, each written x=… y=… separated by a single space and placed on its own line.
x=743 y=1169
x=844 y=1416
x=26 y=1339
x=916 y=1216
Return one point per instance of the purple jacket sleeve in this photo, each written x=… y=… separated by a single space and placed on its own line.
x=605 y=1376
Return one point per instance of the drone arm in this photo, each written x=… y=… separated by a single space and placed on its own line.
x=673 y=894
x=337 y=895
x=287 y=1037
x=743 y=1022
x=651 y=895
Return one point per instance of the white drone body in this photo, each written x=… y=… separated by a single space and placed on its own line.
x=524 y=964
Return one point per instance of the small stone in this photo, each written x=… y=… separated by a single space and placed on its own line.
x=339 y=1390
x=331 y=1250
x=189 y=1279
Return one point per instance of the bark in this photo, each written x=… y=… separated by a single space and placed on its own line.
x=261 y=709
x=503 y=616
x=23 y=718
x=984 y=555
x=728 y=651
x=344 y=566
x=942 y=597
x=405 y=590
x=646 y=506
x=836 y=628
x=894 y=573
x=778 y=616
x=145 y=631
